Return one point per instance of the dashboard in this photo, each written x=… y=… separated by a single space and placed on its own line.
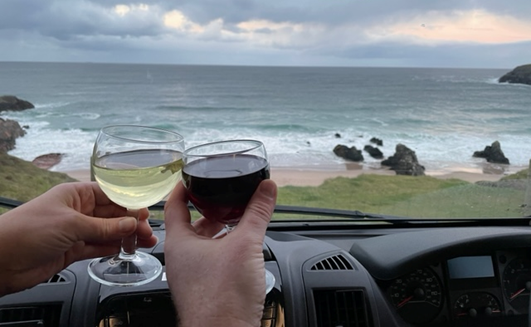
x=328 y=274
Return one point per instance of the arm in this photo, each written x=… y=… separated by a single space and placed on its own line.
x=70 y=222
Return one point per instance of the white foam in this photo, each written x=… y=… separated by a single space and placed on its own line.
x=75 y=144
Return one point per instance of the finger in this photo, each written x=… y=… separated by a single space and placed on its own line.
x=100 y=198
x=99 y=230
x=81 y=251
x=259 y=210
x=144 y=230
x=145 y=236
x=143 y=214
x=147 y=243
x=207 y=228
x=176 y=214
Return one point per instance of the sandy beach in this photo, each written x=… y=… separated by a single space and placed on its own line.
x=311 y=176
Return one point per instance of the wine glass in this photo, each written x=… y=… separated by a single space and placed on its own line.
x=221 y=177
x=136 y=167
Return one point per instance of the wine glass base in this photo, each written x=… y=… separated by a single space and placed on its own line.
x=270 y=281
x=139 y=269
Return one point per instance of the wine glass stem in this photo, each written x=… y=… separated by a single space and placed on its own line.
x=129 y=242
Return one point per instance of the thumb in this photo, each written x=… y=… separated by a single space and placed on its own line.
x=259 y=210
x=97 y=230
x=176 y=214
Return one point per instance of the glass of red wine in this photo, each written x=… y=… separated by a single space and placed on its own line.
x=221 y=177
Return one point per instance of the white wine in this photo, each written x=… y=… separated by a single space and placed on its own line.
x=138 y=179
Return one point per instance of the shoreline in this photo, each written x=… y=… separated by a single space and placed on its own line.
x=316 y=175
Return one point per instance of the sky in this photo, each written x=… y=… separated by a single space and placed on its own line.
x=382 y=33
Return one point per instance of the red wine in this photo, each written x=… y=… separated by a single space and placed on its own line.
x=220 y=187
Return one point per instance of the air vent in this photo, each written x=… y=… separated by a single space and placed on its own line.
x=48 y=315
x=346 y=308
x=336 y=262
x=57 y=278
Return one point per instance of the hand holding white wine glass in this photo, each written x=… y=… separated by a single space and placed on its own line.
x=136 y=167
x=221 y=177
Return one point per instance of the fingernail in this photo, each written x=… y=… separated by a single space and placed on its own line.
x=127 y=225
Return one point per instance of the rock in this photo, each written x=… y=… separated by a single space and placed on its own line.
x=337 y=135
x=9 y=131
x=404 y=162
x=11 y=102
x=492 y=153
x=519 y=75
x=373 y=152
x=376 y=141
x=351 y=153
x=47 y=161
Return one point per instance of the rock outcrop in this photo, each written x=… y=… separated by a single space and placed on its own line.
x=9 y=131
x=47 y=161
x=351 y=153
x=11 y=102
x=376 y=141
x=373 y=152
x=492 y=153
x=519 y=75
x=404 y=162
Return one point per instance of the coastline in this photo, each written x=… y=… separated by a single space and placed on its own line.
x=315 y=176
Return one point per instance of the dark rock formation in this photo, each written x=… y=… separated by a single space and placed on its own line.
x=492 y=153
x=10 y=102
x=519 y=75
x=47 y=161
x=373 y=152
x=9 y=131
x=351 y=153
x=376 y=141
x=404 y=162
x=337 y=135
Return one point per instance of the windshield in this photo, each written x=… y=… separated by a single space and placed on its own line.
x=386 y=109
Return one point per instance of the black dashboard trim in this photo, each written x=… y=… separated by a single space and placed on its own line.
x=384 y=260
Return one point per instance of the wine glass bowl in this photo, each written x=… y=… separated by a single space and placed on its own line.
x=136 y=167
x=221 y=177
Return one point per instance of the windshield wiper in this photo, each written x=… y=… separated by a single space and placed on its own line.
x=338 y=213
x=9 y=203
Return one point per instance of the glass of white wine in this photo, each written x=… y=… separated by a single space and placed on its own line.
x=136 y=167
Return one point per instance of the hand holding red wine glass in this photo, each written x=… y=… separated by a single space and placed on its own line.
x=221 y=177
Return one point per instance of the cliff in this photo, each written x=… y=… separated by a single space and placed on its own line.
x=519 y=75
x=11 y=102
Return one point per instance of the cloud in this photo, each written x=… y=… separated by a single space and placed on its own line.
x=296 y=31
x=477 y=26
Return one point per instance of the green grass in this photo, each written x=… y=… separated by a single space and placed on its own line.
x=21 y=180
x=522 y=174
x=420 y=196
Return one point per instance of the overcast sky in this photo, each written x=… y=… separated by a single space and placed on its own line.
x=411 y=33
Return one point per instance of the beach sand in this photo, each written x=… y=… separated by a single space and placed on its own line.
x=315 y=176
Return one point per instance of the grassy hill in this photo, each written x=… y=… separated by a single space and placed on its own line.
x=421 y=196
x=23 y=181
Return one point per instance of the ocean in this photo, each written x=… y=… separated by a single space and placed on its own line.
x=444 y=115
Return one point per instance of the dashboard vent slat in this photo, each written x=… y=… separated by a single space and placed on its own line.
x=335 y=262
x=47 y=315
x=346 y=308
x=57 y=278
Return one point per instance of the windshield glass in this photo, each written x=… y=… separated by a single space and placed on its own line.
x=394 y=110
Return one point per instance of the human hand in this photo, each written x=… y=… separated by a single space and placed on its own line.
x=218 y=281
x=70 y=222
